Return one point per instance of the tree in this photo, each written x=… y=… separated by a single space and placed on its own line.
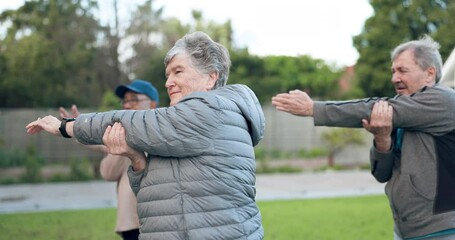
x=60 y=48
x=109 y=70
x=51 y=53
x=395 y=22
x=143 y=36
x=338 y=139
x=270 y=75
x=219 y=32
x=445 y=34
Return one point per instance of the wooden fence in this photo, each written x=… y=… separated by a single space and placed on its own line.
x=284 y=132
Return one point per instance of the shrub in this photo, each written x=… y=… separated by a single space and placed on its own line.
x=312 y=153
x=281 y=169
x=12 y=158
x=81 y=170
x=33 y=163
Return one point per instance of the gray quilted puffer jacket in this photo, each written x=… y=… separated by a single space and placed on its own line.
x=200 y=178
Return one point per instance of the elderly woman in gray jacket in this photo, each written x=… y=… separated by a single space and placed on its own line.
x=193 y=164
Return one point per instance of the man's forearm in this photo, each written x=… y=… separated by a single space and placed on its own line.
x=138 y=162
x=138 y=166
x=383 y=144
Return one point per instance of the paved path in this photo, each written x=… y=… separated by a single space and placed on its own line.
x=101 y=194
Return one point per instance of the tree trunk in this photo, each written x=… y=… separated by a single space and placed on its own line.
x=331 y=160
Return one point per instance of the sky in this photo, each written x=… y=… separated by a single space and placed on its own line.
x=322 y=29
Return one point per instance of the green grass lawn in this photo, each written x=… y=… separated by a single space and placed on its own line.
x=352 y=218
x=356 y=218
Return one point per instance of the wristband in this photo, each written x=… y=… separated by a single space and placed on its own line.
x=62 y=127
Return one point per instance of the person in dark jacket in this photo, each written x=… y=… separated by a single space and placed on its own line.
x=414 y=155
x=197 y=178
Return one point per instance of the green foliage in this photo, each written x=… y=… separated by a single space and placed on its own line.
x=18 y=158
x=354 y=93
x=312 y=153
x=146 y=21
x=59 y=177
x=264 y=168
x=8 y=181
x=271 y=75
x=445 y=34
x=60 y=48
x=260 y=153
x=12 y=158
x=32 y=171
x=276 y=154
x=155 y=74
x=334 y=167
x=81 y=170
x=248 y=70
x=366 y=217
x=395 y=22
x=109 y=102
x=33 y=164
x=264 y=156
x=221 y=33
x=339 y=138
x=52 y=46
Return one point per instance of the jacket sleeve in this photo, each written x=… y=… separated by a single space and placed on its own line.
x=342 y=113
x=429 y=110
x=135 y=179
x=425 y=111
x=183 y=130
x=381 y=164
